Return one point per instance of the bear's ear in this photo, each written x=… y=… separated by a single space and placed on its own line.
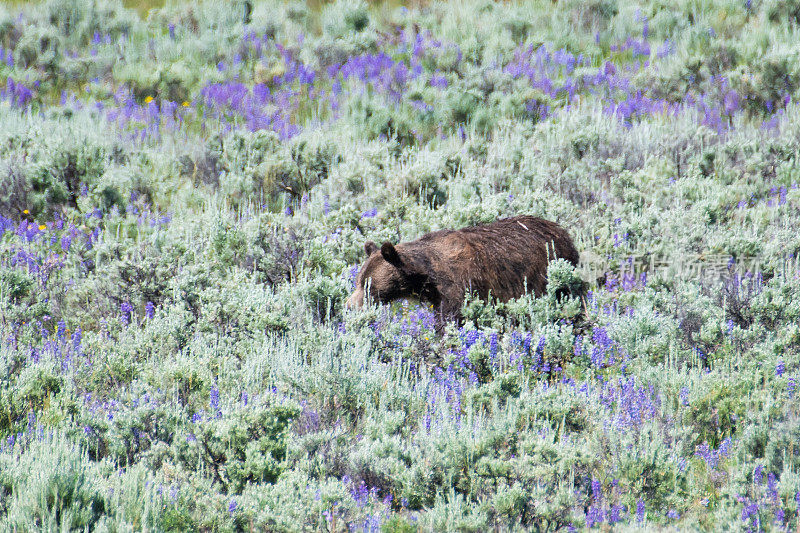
x=389 y=252
x=370 y=248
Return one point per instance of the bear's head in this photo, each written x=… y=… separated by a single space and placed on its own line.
x=388 y=274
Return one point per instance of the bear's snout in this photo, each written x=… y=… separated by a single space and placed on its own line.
x=356 y=300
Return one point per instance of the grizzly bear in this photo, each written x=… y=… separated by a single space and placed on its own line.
x=499 y=259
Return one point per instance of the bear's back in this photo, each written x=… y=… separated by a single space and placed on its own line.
x=521 y=233
x=502 y=258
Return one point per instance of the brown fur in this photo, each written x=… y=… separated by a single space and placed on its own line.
x=498 y=259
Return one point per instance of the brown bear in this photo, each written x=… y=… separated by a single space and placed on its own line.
x=498 y=259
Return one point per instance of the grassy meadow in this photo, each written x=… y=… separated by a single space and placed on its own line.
x=185 y=192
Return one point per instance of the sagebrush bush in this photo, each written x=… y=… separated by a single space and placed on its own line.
x=184 y=202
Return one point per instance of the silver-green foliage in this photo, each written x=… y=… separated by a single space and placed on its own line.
x=174 y=349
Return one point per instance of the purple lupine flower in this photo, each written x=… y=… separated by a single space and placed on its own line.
x=640 y=510
x=780 y=368
x=539 y=351
x=673 y=514
x=493 y=344
x=596 y=489
x=772 y=485
x=438 y=80
x=214 y=399
x=725 y=447
x=594 y=515
x=171 y=31
x=17 y=93
x=578 y=349
x=126 y=308
x=352 y=273
x=369 y=213
x=149 y=310
x=77 y=335
x=711 y=457
x=791 y=385
x=685 y=396
x=603 y=351
x=232 y=507
x=615 y=514
x=750 y=512
x=731 y=102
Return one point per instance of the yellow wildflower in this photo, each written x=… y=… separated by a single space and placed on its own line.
x=148 y=99
x=25 y=212
x=185 y=104
x=42 y=227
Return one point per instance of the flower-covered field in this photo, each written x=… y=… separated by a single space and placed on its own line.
x=185 y=193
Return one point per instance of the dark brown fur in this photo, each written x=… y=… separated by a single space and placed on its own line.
x=498 y=259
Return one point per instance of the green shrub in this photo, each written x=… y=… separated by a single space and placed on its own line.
x=247 y=447
x=52 y=484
